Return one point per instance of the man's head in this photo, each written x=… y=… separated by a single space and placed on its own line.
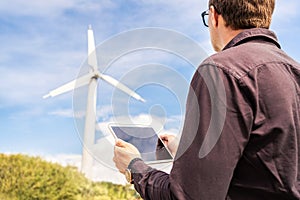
x=245 y=14
x=227 y=18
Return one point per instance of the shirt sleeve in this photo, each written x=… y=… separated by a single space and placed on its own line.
x=149 y=182
x=216 y=130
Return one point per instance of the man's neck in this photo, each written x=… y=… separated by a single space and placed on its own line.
x=227 y=34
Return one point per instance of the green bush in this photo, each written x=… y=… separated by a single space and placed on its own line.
x=30 y=178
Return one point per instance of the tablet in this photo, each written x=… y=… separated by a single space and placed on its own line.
x=145 y=139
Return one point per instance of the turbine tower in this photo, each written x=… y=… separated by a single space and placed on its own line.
x=91 y=79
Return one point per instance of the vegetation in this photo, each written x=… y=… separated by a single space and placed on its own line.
x=29 y=178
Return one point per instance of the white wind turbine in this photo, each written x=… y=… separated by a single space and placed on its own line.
x=90 y=79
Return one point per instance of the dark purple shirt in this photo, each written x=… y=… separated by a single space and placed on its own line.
x=240 y=139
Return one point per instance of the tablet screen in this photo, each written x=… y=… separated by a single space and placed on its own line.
x=145 y=140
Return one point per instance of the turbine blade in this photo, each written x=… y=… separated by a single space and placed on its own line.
x=121 y=87
x=69 y=86
x=92 y=57
x=62 y=89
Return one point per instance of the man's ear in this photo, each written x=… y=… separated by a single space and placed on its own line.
x=214 y=16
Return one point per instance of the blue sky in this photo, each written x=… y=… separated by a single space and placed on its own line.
x=44 y=43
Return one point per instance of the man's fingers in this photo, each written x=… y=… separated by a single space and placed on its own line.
x=119 y=167
x=123 y=153
x=163 y=137
x=119 y=150
x=120 y=143
x=115 y=159
x=123 y=144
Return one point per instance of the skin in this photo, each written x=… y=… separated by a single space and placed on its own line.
x=220 y=35
x=171 y=142
x=123 y=153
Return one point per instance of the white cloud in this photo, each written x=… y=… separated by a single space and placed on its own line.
x=102 y=113
x=23 y=7
x=63 y=113
x=162 y=125
x=157 y=123
x=64 y=159
x=30 y=68
x=23 y=87
x=27 y=113
x=53 y=8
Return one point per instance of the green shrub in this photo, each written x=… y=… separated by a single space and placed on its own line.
x=30 y=178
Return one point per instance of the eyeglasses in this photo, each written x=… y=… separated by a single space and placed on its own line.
x=204 y=16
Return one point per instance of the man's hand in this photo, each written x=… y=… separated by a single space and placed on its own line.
x=171 y=142
x=123 y=153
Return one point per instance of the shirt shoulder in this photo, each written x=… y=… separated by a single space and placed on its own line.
x=244 y=59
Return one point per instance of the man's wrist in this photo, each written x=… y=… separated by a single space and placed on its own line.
x=128 y=171
x=131 y=163
x=136 y=169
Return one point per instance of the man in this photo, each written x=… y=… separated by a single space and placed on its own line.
x=249 y=92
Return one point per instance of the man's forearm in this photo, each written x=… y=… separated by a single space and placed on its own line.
x=150 y=183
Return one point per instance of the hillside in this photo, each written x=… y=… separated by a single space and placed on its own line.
x=30 y=178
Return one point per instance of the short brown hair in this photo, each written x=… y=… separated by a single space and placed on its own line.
x=245 y=14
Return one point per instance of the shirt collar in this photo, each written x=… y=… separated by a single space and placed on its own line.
x=253 y=33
